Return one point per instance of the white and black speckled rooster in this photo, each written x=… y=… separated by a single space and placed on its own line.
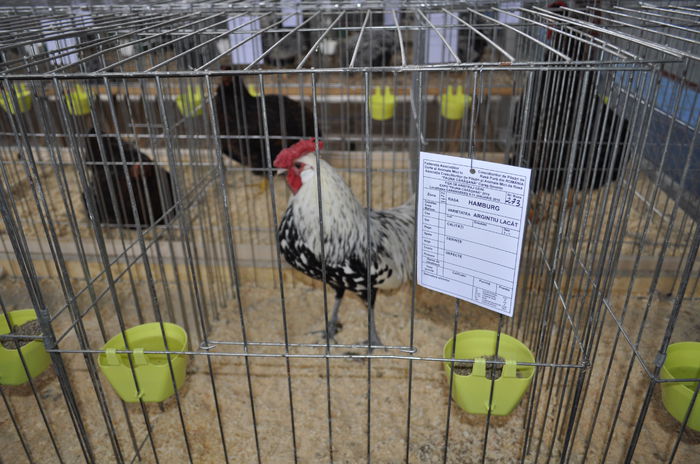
x=346 y=245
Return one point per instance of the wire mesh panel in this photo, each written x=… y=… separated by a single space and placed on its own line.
x=140 y=189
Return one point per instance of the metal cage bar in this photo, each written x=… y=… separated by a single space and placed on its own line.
x=138 y=185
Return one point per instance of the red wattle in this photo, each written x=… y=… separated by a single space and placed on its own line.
x=294 y=181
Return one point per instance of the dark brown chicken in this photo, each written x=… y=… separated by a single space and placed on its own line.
x=241 y=124
x=152 y=188
x=577 y=139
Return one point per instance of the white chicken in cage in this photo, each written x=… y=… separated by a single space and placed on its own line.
x=359 y=250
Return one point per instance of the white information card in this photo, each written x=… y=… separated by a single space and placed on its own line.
x=470 y=229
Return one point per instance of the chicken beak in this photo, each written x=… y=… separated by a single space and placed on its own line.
x=281 y=171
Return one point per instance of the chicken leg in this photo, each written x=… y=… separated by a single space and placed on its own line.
x=334 y=325
x=264 y=185
x=374 y=340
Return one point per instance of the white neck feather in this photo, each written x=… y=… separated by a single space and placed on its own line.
x=344 y=219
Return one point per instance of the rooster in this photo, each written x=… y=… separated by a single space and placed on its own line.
x=350 y=256
x=240 y=114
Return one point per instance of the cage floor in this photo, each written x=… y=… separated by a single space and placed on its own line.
x=251 y=211
x=252 y=221
x=251 y=202
x=348 y=392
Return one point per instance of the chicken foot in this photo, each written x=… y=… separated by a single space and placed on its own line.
x=536 y=215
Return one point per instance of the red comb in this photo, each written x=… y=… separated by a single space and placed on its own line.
x=286 y=157
x=554 y=5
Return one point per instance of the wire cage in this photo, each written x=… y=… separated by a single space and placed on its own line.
x=137 y=186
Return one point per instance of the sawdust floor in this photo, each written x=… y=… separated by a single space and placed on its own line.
x=348 y=392
x=599 y=426
x=253 y=217
x=252 y=220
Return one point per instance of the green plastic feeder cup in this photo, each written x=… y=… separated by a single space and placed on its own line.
x=12 y=371
x=24 y=100
x=152 y=370
x=78 y=101
x=471 y=392
x=682 y=362
x=190 y=102
x=382 y=105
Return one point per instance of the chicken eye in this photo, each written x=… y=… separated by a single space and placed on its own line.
x=298 y=165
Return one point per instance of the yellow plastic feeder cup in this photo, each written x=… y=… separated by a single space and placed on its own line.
x=252 y=91
x=682 y=362
x=453 y=104
x=24 y=100
x=78 y=101
x=382 y=105
x=471 y=391
x=152 y=370
x=190 y=102
x=36 y=358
